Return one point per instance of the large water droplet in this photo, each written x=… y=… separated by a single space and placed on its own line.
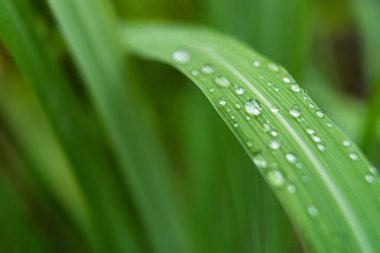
x=240 y=90
x=252 y=106
x=207 y=69
x=313 y=211
x=181 y=56
x=275 y=178
x=222 y=101
x=274 y=144
x=291 y=158
x=295 y=88
x=222 y=81
x=295 y=111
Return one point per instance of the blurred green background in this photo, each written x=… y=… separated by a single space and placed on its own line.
x=62 y=188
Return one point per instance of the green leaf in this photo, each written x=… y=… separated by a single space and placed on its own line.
x=328 y=188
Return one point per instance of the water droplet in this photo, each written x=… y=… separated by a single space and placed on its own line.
x=310 y=131
x=295 y=111
x=295 y=88
x=252 y=106
x=273 y=109
x=275 y=178
x=313 y=211
x=276 y=87
x=329 y=124
x=321 y=147
x=346 y=143
x=311 y=106
x=273 y=67
x=248 y=118
x=256 y=64
x=240 y=90
x=373 y=170
x=369 y=178
x=291 y=158
x=222 y=101
x=273 y=133
x=249 y=144
x=233 y=116
x=319 y=114
x=237 y=105
x=236 y=125
x=195 y=72
x=291 y=188
x=207 y=69
x=228 y=109
x=212 y=89
x=259 y=161
x=286 y=79
x=316 y=138
x=181 y=56
x=266 y=127
x=222 y=81
x=354 y=156
x=274 y=145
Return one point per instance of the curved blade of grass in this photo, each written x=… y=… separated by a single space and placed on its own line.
x=328 y=188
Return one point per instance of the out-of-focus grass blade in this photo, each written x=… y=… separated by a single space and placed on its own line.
x=367 y=13
x=74 y=126
x=328 y=188
x=89 y=30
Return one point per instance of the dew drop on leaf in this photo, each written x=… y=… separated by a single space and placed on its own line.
x=274 y=145
x=252 y=106
x=291 y=188
x=291 y=158
x=222 y=101
x=240 y=90
x=313 y=211
x=346 y=143
x=319 y=114
x=259 y=161
x=286 y=79
x=295 y=88
x=222 y=81
x=369 y=178
x=256 y=64
x=181 y=56
x=273 y=67
x=295 y=111
x=353 y=156
x=275 y=178
x=207 y=69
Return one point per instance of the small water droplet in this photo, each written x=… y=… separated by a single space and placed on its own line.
x=319 y=114
x=275 y=145
x=286 y=79
x=237 y=105
x=266 y=127
x=252 y=106
x=228 y=109
x=291 y=188
x=249 y=144
x=222 y=81
x=274 y=133
x=310 y=131
x=275 y=178
x=346 y=143
x=276 y=87
x=291 y=158
x=240 y=90
x=236 y=125
x=248 y=118
x=212 y=89
x=222 y=101
x=354 y=156
x=295 y=88
x=295 y=111
x=195 y=72
x=181 y=56
x=273 y=109
x=207 y=69
x=316 y=138
x=313 y=211
x=321 y=147
x=256 y=64
x=233 y=117
x=369 y=178
x=329 y=124
x=373 y=170
x=259 y=161
x=311 y=106
x=273 y=67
